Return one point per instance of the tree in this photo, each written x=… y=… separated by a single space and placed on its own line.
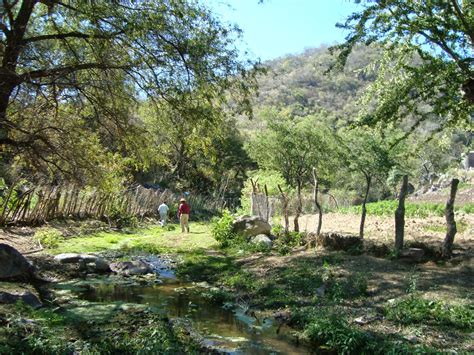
x=103 y=57
x=450 y=222
x=427 y=69
x=192 y=153
x=292 y=146
x=368 y=153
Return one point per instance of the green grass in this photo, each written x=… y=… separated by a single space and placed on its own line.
x=415 y=310
x=387 y=208
x=153 y=239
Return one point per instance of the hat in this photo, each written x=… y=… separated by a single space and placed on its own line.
x=182 y=200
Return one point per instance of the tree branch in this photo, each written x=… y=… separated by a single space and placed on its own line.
x=60 y=71
x=461 y=17
x=70 y=35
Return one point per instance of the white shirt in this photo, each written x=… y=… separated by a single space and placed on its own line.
x=163 y=209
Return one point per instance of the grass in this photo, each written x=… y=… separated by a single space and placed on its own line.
x=422 y=210
x=416 y=310
x=461 y=227
x=152 y=239
x=132 y=331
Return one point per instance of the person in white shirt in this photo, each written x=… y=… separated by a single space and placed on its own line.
x=163 y=211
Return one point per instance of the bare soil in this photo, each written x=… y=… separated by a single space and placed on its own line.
x=378 y=229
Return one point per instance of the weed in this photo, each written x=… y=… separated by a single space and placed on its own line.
x=49 y=237
x=412 y=282
x=221 y=229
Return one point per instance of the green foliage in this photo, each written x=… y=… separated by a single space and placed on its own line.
x=292 y=146
x=221 y=229
x=421 y=210
x=328 y=330
x=427 y=51
x=415 y=310
x=122 y=219
x=176 y=54
x=49 y=237
x=285 y=242
x=333 y=331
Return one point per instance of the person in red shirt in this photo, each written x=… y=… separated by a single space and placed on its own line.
x=183 y=213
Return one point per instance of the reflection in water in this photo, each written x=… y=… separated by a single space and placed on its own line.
x=220 y=327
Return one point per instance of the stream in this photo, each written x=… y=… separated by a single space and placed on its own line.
x=227 y=328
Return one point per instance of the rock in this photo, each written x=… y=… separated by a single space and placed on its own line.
x=100 y=265
x=415 y=254
x=411 y=338
x=335 y=241
x=136 y=267
x=90 y=262
x=251 y=226
x=68 y=258
x=363 y=320
x=262 y=239
x=26 y=297
x=13 y=264
x=88 y=258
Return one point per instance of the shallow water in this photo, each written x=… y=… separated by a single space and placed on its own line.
x=231 y=331
x=228 y=329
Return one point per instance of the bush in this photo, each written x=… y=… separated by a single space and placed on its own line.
x=122 y=219
x=48 y=237
x=221 y=229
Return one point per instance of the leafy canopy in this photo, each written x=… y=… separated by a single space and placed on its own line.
x=427 y=69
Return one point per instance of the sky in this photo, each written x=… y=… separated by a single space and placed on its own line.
x=278 y=27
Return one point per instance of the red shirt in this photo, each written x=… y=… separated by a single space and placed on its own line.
x=184 y=209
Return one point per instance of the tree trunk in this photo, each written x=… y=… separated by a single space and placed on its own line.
x=9 y=79
x=368 y=180
x=284 y=198
x=299 y=207
x=400 y=216
x=318 y=206
x=450 y=222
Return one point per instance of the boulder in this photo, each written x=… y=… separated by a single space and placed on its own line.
x=13 y=264
x=68 y=258
x=26 y=297
x=128 y=268
x=90 y=262
x=100 y=265
x=251 y=226
x=262 y=239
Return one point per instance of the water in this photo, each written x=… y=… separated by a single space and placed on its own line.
x=229 y=329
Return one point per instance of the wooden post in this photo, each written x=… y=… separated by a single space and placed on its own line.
x=267 y=205
x=368 y=179
x=299 y=208
x=450 y=222
x=315 y=198
x=284 y=198
x=400 y=216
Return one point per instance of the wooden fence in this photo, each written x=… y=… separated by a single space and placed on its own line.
x=38 y=205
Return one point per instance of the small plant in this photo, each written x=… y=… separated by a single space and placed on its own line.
x=122 y=219
x=221 y=229
x=49 y=237
x=412 y=283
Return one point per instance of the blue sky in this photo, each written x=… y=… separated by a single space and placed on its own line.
x=278 y=27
